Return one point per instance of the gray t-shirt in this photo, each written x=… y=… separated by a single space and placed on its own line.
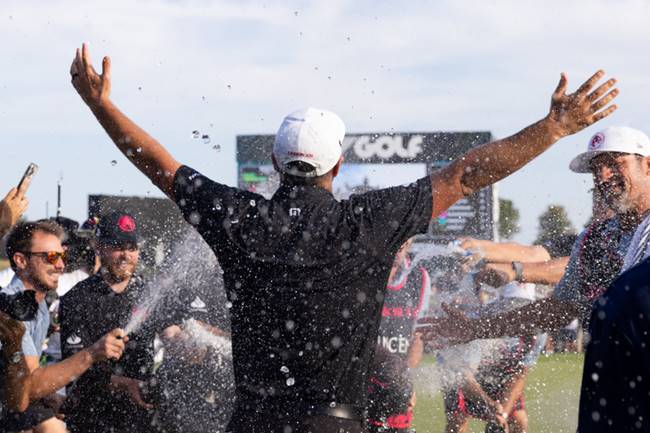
x=596 y=260
x=36 y=329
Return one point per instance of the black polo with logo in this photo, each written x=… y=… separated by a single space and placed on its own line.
x=89 y=311
x=306 y=275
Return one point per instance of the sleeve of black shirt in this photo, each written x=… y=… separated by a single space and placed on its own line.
x=198 y=197
x=393 y=215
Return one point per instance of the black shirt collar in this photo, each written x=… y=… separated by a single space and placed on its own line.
x=302 y=191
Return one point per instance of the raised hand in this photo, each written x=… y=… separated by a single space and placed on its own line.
x=91 y=86
x=12 y=207
x=575 y=111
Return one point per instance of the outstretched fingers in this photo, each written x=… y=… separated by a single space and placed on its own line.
x=601 y=90
x=106 y=67
x=590 y=83
x=602 y=114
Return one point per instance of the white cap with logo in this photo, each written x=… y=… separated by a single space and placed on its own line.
x=620 y=139
x=311 y=135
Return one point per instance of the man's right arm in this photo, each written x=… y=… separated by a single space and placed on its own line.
x=489 y=163
x=147 y=154
x=48 y=379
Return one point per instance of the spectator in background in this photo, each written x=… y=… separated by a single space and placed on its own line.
x=37 y=256
x=391 y=396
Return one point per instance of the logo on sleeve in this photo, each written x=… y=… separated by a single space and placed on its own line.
x=74 y=340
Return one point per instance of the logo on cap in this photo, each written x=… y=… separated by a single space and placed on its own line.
x=596 y=141
x=126 y=224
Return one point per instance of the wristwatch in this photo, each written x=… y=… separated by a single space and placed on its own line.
x=15 y=357
x=518 y=267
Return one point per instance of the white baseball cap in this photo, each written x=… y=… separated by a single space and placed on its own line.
x=613 y=139
x=310 y=135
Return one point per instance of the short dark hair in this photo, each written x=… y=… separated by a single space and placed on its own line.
x=20 y=238
x=297 y=180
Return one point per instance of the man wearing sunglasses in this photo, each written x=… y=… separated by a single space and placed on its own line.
x=37 y=257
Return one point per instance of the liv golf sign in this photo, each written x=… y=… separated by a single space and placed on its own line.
x=371 y=154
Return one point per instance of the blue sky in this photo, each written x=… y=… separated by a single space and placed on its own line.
x=233 y=67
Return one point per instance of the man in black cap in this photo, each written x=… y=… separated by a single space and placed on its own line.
x=108 y=397
x=306 y=274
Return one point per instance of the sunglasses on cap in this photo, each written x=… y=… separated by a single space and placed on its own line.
x=50 y=256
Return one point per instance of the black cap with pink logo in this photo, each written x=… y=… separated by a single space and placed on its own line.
x=117 y=228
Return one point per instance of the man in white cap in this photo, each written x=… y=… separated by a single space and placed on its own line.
x=619 y=160
x=305 y=273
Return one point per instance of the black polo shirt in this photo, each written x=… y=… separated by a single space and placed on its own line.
x=89 y=311
x=615 y=393
x=306 y=276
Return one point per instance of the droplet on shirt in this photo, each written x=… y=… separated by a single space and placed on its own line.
x=595 y=415
x=253 y=203
x=291 y=381
x=205 y=138
x=113 y=163
x=594 y=377
x=290 y=324
x=139 y=150
x=217 y=147
x=284 y=369
x=195 y=218
x=228 y=304
x=196 y=134
x=361 y=297
x=336 y=342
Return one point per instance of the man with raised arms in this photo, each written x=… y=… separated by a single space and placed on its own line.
x=305 y=273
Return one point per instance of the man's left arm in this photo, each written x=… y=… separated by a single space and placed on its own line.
x=489 y=163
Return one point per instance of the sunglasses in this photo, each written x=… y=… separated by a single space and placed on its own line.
x=50 y=256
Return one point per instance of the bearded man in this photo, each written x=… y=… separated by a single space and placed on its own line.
x=109 y=397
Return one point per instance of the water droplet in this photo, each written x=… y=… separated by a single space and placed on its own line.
x=253 y=203
x=205 y=138
x=333 y=404
x=229 y=86
x=203 y=98
x=139 y=150
x=295 y=13
x=140 y=88
x=228 y=304
x=196 y=134
x=129 y=153
x=284 y=369
x=291 y=381
x=348 y=38
x=216 y=147
x=329 y=77
x=113 y=162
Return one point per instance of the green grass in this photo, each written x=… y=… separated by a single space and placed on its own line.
x=552 y=392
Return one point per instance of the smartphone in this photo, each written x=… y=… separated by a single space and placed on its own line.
x=27 y=177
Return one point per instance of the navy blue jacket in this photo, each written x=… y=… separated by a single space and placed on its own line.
x=615 y=394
